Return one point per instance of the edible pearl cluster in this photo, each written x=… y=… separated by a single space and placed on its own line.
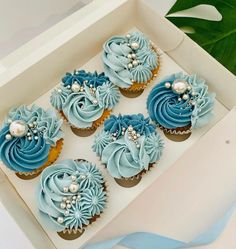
x=132 y=56
x=183 y=89
x=133 y=135
x=68 y=201
x=19 y=128
x=76 y=87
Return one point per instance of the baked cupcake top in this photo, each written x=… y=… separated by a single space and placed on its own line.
x=180 y=100
x=26 y=137
x=70 y=194
x=128 y=59
x=83 y=96
x=127 y=145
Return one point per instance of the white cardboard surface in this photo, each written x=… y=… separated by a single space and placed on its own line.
x=191 y=196
x=77 y=147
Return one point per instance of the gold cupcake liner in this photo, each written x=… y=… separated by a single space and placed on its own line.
x=84 y=132
x=52 y=157
x=179 y=134
x=71 y=234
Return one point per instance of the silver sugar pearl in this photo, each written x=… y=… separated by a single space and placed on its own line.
x=185 y=96
x=130 y=128
x=68 y=206
x=95 y=101
x=74 y=187
x=73 y=178
x=167 y=85
x=75 y=87
x=179 y=99
x=31 y=125
x=130 y=65
x=63 y=205
x=128 y=36
x=68 y=201
x=65 y=189
x=135 y=63
x=129 y=56
x=137 y=145
x=34 y=123
x=66 y=212
x=59 y=90
x=60 y=220
x=74 y=197
x=134 y=45
x=8 y=137
x=36 y=137
x=138 y=135
x=64 y=198
x=179 y=86
x=133 y=55
x=133 y=132
x=73 y=202
x=18 y=128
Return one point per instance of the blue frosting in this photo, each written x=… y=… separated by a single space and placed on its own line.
x=30 y=151
x=63 y=207
x=83 y=97
x=170 y=110
x=125 y=63
x=128 y=145
x=117 y=124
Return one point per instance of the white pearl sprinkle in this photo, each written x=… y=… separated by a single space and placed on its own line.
x=135 y=63
x=130 y=65
x=134 y=45
x=133 y=132
x=31 y=125
x=73 y=202
x=36 y=137
x=74 y=197
x=138 y=145
x=130 y=128
x=34 y=123
x=64 y=198
x=60 y=220
x=65 y=189
x=179 y=99
x=128 y=36
x=8 y=136
x=129 y=56
x=63 y=205
x=73 y=178
x=68 y=201
x=138 y=135
x=59 y=90
x=167 y=85
x=185 y=96
x=95 y=101
x=66 y=212
x=74 y=187
x=68 y=206
x=133 y=55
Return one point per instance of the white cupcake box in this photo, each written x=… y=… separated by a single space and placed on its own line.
x=33 y=70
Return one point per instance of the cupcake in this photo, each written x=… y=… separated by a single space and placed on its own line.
x=85 y=100
x=130 y=62
x=128 y=147
x=179 y=104
x=30 y=140
x=71 y=196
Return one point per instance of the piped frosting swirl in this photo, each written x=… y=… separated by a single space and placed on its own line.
x=129 y=59
x=83 y=97
x=128 y=145
x=70 y=194
x=180 y=100
x=26 y=137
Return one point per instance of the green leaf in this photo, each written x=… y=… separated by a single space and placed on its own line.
x=217 y=37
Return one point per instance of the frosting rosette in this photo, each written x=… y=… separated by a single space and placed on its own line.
x=26 y=137
x=180 y=100
x=64 y=201
x=84 y=96
x=129 y=59
x=128 y=145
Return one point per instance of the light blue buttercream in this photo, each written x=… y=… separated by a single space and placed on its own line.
x=84 y=203
x=22 y=154
x=116 y=59
x=85 y=106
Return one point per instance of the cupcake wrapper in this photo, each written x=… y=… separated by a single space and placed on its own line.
x=52 y=157
x=177 y=131
x=71 y=234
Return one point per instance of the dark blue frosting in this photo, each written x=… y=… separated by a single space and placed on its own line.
x=21 y=154
x=116 y=124
x=80 y=76
x=171 y=110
